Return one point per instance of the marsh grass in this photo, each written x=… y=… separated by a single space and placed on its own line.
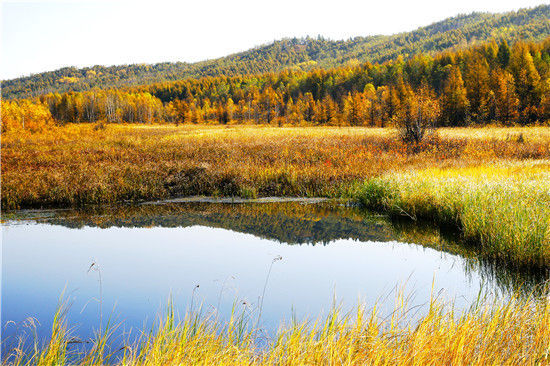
x=78 y=165
x=504 y=208
x=491 y=332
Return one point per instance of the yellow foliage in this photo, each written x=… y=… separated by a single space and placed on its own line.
x=68 y=80
x=25 y=115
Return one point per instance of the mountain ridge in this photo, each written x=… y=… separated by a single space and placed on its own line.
x=463 y=30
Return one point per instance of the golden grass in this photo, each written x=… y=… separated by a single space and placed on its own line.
x=496 y=332
x=489 y=133
x=78 y=164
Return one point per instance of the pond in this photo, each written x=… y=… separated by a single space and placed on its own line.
x=292 y=259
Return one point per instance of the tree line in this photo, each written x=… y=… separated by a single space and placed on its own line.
x=488 y=83
x=492 y=82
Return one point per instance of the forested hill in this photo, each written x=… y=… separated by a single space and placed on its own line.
x=305 y=53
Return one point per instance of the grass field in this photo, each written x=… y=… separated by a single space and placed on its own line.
x=510 y=332
x=79 y=164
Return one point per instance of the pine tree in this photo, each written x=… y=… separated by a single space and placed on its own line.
x=506 y=100
x=503 y=54
x=455 y=103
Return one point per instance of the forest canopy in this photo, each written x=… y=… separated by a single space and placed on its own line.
x=489 y=83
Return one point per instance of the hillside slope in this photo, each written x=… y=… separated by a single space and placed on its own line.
x=305 y=53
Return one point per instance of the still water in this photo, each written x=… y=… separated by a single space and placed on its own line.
x=300 y=258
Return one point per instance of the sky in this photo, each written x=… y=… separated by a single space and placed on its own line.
x=39 y=36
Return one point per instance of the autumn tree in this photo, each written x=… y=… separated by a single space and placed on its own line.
x=267 y=104
x=526 y=78
x=454 y=102
x=308 y=107
x=544 y=108
x=328 y=111
x=25 y=115
x=417 y=115
x=503 y=54
x=477 y=83
x=354 y=109
x=180 y=110
x=506 y=100
x=371 y=100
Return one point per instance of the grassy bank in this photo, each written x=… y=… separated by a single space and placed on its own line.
x=492 y=333
x=505 y=207
x=79 y=164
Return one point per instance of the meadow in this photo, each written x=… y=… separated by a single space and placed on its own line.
x=82 y=164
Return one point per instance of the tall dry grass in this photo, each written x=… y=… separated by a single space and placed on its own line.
x=78 y=164
x=497 y=332
x=504 y=208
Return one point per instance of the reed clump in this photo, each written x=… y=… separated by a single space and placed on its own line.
x=504 y=207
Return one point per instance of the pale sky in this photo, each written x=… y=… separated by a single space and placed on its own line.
x=46 y=35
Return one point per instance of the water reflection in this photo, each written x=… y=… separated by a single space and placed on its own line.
x=286 y=222
x=507 y=277
x=146 y=252
x=298 y=223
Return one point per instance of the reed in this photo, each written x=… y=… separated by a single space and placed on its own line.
x=492 y=332
x=504 y=207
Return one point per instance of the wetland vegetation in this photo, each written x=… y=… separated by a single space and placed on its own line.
x=424 y=155
x=489 y=186
x=515 y=332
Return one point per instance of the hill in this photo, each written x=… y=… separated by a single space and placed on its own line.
x=304 y=53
